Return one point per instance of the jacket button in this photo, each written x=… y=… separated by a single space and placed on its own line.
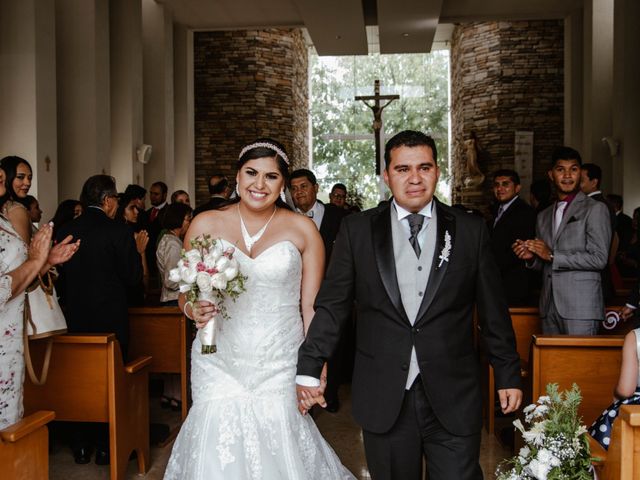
x=405 y=366
x=415 y=330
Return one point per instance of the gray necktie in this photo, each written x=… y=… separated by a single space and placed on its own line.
x=415 y=225
x=500 y=212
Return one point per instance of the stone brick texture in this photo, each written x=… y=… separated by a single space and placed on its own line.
x=505 y=77
x=248 y=84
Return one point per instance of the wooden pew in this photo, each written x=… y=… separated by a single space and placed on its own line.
x=88 y=382
x=164 y=334
x=526 y=323
x=622 y=460
x=591 y=362
x=24 y=448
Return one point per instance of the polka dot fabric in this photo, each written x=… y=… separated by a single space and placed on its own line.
x=601 y=428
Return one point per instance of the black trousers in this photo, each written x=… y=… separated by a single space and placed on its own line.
x=397 y=454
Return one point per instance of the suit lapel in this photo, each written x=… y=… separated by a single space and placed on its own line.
x=446 y=227
x=383 y=251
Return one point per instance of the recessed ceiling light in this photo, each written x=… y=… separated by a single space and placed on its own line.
x=405 y=34
x=338 y=37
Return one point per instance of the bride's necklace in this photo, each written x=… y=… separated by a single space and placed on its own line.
x=250 y=240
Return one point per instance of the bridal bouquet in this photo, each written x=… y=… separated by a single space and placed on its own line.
x=556 y=442
x=209 y=272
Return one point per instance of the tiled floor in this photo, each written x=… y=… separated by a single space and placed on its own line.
x=339 y=430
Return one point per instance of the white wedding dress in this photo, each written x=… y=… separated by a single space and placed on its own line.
x=244 y=422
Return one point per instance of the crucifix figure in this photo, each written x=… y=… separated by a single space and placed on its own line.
x=374 y=103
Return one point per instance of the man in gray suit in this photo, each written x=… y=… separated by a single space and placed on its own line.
x=571 y=248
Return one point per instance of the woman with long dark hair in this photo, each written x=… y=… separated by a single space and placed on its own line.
x=18 y=182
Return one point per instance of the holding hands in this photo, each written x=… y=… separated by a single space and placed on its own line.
x=310 y=396
x=527 y=249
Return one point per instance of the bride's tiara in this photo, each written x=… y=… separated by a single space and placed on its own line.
x=265 y=145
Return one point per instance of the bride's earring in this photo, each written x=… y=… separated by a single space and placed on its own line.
x=237 y=192
x=283 y=197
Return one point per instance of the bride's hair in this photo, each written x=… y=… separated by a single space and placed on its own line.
x=262 y=150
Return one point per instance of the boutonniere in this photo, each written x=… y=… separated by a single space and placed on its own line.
x=446 y=250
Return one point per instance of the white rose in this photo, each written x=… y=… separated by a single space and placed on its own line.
x=219 y=281
x=204 y=282
x=180 y=263
x=222 y=263
x=209 y=261
x=215 y=251
x=192 y=256
x=188 y=275
x=230 y=273
x=174 y=275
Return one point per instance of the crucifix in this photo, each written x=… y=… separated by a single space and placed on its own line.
x=374 y=103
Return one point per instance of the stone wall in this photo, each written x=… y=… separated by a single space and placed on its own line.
x=505 y=77
x=248 y=84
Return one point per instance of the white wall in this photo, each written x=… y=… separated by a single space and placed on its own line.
x=126 y=91
x=157 y=34
x=184 y=177
x=28 y=93
x=84 y=121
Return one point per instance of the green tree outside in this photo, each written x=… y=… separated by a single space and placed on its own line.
x=343 y=143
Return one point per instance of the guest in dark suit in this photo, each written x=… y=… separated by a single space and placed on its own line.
x=513 y=218
x=219 y=191
x=158 y=198
x=624 y=223
x=93 y=284
x=590 y=180
x=416 y=270
x=304 y=191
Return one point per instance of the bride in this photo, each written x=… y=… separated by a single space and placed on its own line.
x=245 y=422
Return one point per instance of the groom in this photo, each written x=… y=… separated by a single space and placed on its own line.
x=415 y=269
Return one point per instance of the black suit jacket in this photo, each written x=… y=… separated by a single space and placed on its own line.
x=362 y=268
x=517 y=222
x=329 y=227
x=93 y=284
x=212 y=204
x=624 y=227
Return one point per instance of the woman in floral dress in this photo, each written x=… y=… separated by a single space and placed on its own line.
x=19 y=266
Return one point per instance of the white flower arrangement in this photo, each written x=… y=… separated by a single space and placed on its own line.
x=208 y=272
x=446 y=250
x=556 y=442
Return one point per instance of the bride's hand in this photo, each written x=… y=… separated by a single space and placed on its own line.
x=202 y=312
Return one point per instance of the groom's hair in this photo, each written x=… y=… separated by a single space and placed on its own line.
x=408 y=138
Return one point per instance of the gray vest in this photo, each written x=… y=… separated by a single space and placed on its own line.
x=412 y=273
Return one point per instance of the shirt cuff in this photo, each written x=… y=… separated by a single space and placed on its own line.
x=631 y=306
x=307 y=381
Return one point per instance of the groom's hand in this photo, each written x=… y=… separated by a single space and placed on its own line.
x=510 y=399
x=308 y=397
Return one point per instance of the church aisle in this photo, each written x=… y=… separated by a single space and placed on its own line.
x=338 y=429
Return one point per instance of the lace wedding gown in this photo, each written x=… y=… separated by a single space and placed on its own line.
x=244 y=422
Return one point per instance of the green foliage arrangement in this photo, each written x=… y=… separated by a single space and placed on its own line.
x=556 y=441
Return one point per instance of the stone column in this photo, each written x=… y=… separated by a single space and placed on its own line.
x=126 y=90
x=28 y=93
x=157 y=34
x=84 y=121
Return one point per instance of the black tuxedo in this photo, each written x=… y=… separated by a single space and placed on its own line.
x=329 y=227
x=362 y=268
x=624 y=228
x=517 y=222
x=213 y=204
x=93 y=285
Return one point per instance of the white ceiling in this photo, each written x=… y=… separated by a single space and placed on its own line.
x=338 y=27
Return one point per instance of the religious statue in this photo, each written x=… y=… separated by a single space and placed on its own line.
x=472 y=176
